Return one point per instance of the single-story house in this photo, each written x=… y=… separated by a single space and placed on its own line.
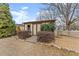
x=35 y=26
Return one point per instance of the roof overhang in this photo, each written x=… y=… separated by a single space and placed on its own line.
x=41 y=21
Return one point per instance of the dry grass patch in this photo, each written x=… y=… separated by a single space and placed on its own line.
x=59 y=52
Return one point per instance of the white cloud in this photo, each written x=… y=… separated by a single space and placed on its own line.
x=37 y=13
x=21 y=15
x=43 y=13
x=25 y=8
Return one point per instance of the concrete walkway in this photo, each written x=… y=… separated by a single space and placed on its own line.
x=32 y=39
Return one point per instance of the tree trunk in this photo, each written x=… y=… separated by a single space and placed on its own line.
x=68 y=27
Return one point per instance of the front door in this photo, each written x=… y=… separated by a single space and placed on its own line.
x=28 y=28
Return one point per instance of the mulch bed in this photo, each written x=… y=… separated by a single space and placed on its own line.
x=45 y=36
x=24 y=34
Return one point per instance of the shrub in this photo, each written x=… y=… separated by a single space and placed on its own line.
x=7 y=25
x=23 y=34
x=48 y=27
x=47 y=33
x=45 y=36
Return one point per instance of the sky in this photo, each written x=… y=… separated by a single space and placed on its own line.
x=25 y=12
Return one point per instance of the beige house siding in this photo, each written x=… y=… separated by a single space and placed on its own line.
x=26 y=27
x=22 y=28
x=43 y=23
x=38 y=27
x=34 y=29
x=31 y=28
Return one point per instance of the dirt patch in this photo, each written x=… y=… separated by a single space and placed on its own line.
x=68 y=42
x=16 y=47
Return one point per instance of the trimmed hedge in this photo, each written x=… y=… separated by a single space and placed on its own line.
x=48 y=27
x=23 y=34
x=45 y=36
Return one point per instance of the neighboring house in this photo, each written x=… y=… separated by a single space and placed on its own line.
x=21 y=26
x=35 y=26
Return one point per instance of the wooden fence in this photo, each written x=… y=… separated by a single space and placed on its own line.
x=74 y=34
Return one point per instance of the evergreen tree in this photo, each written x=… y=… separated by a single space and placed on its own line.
x=7 y=25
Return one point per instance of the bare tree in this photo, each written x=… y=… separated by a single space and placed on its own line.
x=44 y=14
x=65 y=11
